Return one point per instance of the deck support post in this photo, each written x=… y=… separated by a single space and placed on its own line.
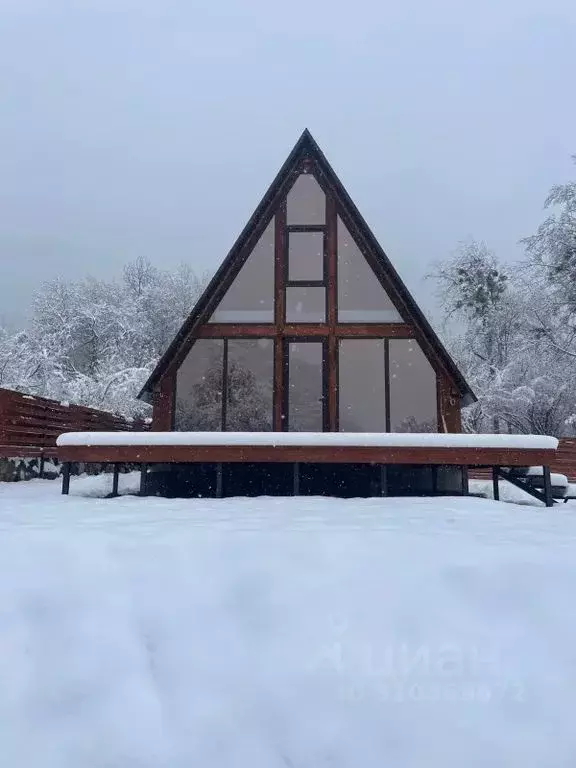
x=495 y=486
x=115 y=481
x=41 y=468
x=219 y=483
x=465 y=481
x=143 y=479
x=547 y=487
x=434 y=469
x=66 y=478
x=383 y=480
x=296 y=479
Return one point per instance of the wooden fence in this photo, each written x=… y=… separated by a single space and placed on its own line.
x=30 y=425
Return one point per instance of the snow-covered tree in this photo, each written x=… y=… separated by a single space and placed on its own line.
x=512 y=334
x=95 y=342
x=552 y=264
x=479 y=298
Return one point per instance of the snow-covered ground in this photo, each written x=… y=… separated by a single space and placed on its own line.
x=274 y=633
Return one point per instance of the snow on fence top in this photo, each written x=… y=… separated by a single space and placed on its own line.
x=362 y=439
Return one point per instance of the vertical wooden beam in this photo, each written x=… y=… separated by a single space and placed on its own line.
x=333 y=425
x=115 y=478
x=465 y=481
x=387 y=384
x=331 y=278
x=66 y=478
x=279 y=313
x=143 y=479
x=547 y=487
x=383 y=480
x=285 y=402
x=278 y=384
x=325 y=387
x=495 y=485
x=219 y=480
x=164 y=403
x=224 y=413
x=434 y=470
x=296 y=479
x=41 y=467
x=331 y=262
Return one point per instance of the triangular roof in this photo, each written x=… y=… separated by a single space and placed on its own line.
x=307 y=150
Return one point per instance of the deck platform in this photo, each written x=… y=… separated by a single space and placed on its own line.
x=304 y=448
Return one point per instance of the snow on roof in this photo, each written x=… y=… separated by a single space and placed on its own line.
x=360 y=439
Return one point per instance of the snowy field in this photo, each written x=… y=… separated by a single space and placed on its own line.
x=284 y=633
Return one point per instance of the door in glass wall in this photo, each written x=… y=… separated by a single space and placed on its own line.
x=305 y=390
x=362 y=385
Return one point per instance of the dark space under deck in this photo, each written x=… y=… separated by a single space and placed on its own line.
x=301 y=479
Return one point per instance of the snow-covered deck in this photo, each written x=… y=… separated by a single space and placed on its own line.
x=332 y=439
x=308 y=447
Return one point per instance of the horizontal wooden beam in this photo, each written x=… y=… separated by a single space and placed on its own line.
x=26 y=451
x=375 y=330
x=343 y=330
x=307 y=454
x=221 y=330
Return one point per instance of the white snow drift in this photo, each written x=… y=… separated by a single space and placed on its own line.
x=275 y=633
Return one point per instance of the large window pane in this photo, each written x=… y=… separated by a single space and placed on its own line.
x=250 y=298
x=305 y=387
x=413 y=404
x=361 y=298
x=199 y=388
x=306 y=203
x=250 y=377
x=305 y=305
x=305 y=255
x=361 y=386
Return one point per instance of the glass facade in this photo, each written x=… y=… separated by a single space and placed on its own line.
x=248 y=381
x=305 y=304
x=306 y=202
x=199 y=388
x=361 y=298
x=305 y=256
x=249 y=385
x=305 y=387
x=384 y=384
x=413 y=394
x=250 y=298
x=361 y=385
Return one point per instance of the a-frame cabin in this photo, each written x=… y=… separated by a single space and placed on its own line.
x=301 y=369
x=307 y=326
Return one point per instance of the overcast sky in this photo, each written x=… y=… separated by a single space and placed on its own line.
x=152 y=127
